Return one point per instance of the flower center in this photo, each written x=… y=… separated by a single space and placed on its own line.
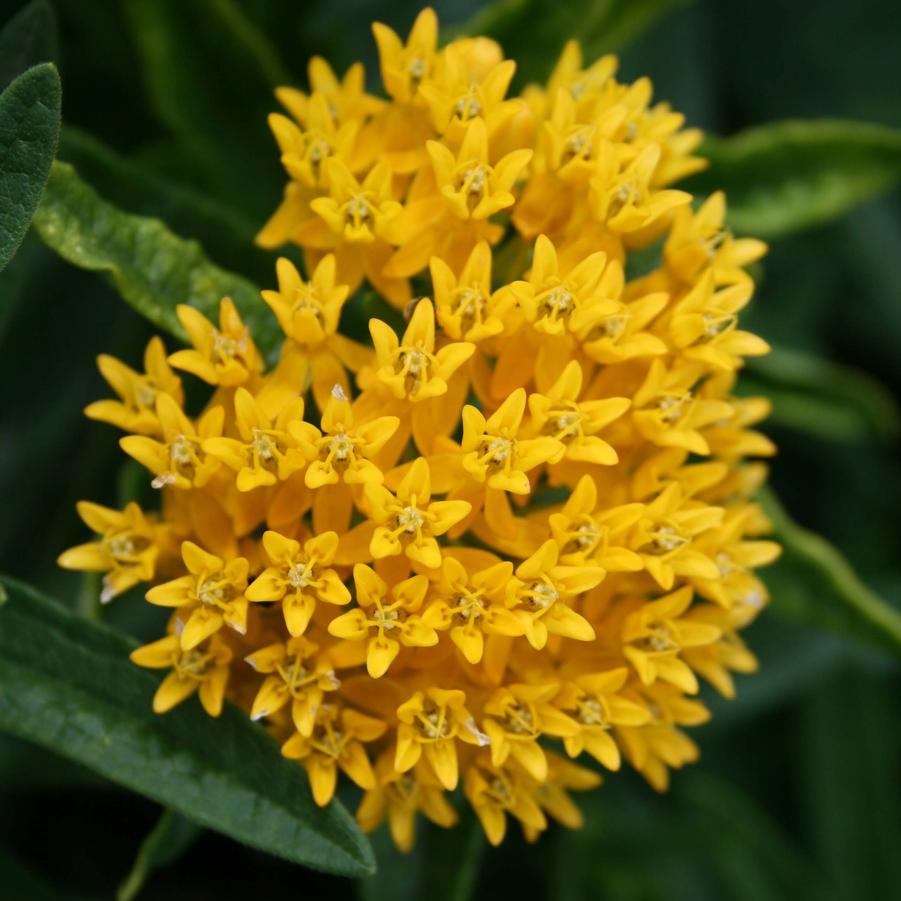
x=216 y=590
x=387 y=619
x=519 y=720
x=432 y=722
x=667 y=539
x=410 y=519
x=583 y=537
x=263 y=447
x=591 y=712
x=300 y=575
x=672 y=406
x=467 y=107
x=194 y=664
x=542 y=594
x=469 y=607
x=126 y=547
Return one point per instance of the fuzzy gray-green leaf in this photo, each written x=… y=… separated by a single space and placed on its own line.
x=29 y=130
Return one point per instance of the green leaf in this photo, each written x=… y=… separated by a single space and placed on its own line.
x=533 y=32
x=27 y=39
x=786 y=176
x=822 y=398
x=165 y=843
x=226 y=235
x=814 y=583
x=68 y=685
x=29 y=128
x=847 y=765
x=220 y=120
x=755 y=856
x=153 y=269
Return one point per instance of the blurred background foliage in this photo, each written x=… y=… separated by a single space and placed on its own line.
x=798 y=793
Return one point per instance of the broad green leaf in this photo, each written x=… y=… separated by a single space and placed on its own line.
x=153 y=269
x=29 y=128
x=27 y=39
x=210 y=74
x=819 y=397
x=756 y=858
x=165 y=843
x=68 y=685
x=794 y=660
x=814 y=583
x=850 y=810
x=226 y=235
x=786 y=176
x=533 y=32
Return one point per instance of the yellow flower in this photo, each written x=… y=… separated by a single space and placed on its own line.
x=299 y=674
x=664 y=537
x=299 y=577
x=575 y=424
x=516 y=716
x=669 y=413
x=346 y=98
x=398 y=796
x=699 y=240
x=225 y=356
x=520 y=466
x=265 y=453
x=466 y=307
x=556 y=302
x=472 y=607
x=411 y=369
x=353 y=220
x=430 y=721
x=655 y=635
x=203 y=669
x=405 y=66
x=597 y=707
x=212 y=592
x=619 y=333
x=409 y=521
x=336 y=741
x=126 y=552
x=457 y=98
x=588 y=532
x=343 y=450
x=493 y=453
x=624 y=199
x=305 y=150
x=552 y=794
x=385 y=617
x=308 y=313
x=703 y=325
x=471 y=186
x=179 y=459
x=718 y=660
x=539 y=593
x=135 y=411
x=496 y=791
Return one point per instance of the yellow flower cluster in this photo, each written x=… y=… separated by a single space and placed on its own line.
x=527 y=518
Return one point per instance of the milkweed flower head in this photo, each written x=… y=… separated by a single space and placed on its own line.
x=512 y=525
